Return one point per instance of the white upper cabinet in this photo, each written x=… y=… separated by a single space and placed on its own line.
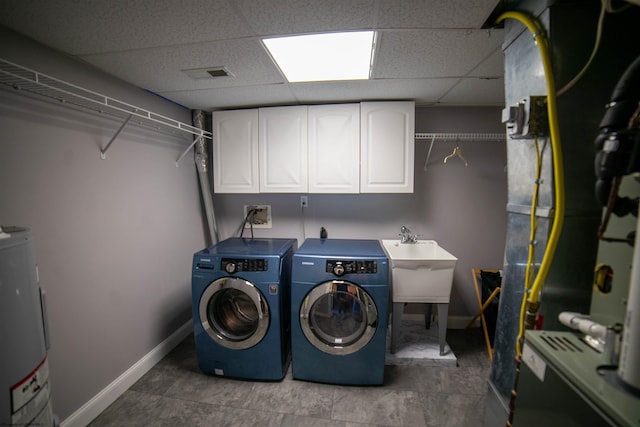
x=387 y=132
x=282 y=147
x=235 y=151
x=334 y=148
x=337 y=148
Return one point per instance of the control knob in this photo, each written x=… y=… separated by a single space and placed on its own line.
x=338 y=270
x=230 y=268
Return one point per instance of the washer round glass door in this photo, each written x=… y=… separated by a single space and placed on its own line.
x=338 y=317
x=234 y=313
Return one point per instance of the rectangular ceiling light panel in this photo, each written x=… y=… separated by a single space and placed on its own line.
x=323 y=57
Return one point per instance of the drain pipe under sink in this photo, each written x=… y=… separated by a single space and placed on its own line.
x=201 y=159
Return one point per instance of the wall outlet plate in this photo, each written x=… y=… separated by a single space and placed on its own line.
x=261 y=218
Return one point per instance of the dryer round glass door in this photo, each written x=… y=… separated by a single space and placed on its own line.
x=338 y=317
x=234 y=313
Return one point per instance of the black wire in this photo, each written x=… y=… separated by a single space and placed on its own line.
x=250 y=213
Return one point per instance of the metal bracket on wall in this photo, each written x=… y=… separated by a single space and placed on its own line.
x=28 y=80
x=103 y=152
x=184 y=153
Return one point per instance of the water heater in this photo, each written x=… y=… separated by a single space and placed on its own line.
x=25 y=392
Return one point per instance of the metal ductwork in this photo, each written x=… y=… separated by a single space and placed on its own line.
x=568 y=286
x=201 y=158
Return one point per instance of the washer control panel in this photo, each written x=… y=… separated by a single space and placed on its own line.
x=340 y=267
x=236 y=265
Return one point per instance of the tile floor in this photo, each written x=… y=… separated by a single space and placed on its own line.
x=176 y=393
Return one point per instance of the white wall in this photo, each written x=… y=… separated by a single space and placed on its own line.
x=463 y=208
x=114 y=238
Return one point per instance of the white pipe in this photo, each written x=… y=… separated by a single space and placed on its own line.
x=582 y=323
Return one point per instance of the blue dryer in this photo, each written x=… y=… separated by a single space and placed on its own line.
x=241 y=290
x=339 y=311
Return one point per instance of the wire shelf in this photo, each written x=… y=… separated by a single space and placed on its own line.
x=457 y=137
x=498 y=137
x=25 y=79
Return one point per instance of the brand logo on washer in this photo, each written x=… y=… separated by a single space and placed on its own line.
x=273 y=289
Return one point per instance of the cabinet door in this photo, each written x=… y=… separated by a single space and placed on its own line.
x=235 y=151
x=334 y=148
x=387 y=132
x=283 y=149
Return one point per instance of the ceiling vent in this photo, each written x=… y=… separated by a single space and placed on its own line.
x=208 y=73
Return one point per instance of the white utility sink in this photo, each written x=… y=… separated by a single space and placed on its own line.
x=421 y=272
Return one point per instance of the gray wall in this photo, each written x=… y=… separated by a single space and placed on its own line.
x=463 y=208
x=114 y=238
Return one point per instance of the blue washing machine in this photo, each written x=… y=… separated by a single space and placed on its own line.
x=241 y=291
x=339 y=308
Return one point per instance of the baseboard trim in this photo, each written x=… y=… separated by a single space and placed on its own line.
x=90 y=410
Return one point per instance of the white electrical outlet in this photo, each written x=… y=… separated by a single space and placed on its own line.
x=304 y=201
x=258 y=216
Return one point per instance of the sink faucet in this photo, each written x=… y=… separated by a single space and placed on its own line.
x=406 y=235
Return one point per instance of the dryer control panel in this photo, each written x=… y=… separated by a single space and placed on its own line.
x=339 y=267
x=236 y=265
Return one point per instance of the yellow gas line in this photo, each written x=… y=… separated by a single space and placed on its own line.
x=528 y=278
x=558 y=171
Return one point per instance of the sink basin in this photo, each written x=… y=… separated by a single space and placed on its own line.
x=421 y=272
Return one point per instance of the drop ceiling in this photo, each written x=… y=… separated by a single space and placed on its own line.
x=430 y=51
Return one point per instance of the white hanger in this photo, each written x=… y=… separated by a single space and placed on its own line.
x=457 y=152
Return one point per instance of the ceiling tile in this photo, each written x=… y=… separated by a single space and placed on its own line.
x=238 y=97
x=483 y=91
x=159 y=69
x=434 y=13
x=84 y=27
x=492 y=66
x=426 y=91
x=433 y=53
x=269 y=17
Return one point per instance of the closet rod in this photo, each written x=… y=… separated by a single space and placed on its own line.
x=498 y=137
x=22 y=78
